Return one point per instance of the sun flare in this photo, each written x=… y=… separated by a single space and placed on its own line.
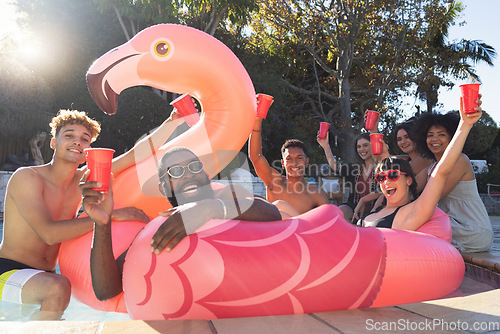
x=8 y=19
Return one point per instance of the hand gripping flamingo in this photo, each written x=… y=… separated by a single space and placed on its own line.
x=182 y=60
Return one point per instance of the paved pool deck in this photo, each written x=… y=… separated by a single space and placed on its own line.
x=465 y=311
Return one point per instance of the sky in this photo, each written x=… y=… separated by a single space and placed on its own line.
x=479 y=16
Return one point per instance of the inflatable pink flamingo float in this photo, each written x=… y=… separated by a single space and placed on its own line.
x=311 y=263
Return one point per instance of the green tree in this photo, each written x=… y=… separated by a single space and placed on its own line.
x=341 y=56
x=205 y=15
x=481 y=137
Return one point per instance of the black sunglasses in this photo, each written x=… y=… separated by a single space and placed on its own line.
x=178 y=171
x=392 y=175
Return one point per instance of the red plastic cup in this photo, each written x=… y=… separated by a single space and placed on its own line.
x=323 y=129
x=470 y=94
x=371 y=119
x=376 y=143
x=265 y=102
x=99 y=164
x=186 y=109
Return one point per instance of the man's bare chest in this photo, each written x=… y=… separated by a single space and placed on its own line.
x=62 y=204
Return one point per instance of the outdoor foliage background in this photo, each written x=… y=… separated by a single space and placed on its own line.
x=321 y=60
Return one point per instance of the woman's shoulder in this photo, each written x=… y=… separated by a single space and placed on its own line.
x=465 y=165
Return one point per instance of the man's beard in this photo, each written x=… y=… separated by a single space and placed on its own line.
x=204 y=191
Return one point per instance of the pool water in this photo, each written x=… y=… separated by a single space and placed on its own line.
x=76 y=311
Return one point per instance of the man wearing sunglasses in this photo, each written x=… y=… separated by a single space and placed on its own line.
x=186 y=185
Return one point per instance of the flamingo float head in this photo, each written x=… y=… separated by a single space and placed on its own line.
x=181 y=60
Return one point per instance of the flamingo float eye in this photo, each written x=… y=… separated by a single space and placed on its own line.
x=162 y=49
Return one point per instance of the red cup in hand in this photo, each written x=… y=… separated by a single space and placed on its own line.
x=99 y=164
x=323 y=129
x=265 y=102
x=371 y=119
x=186 y=109
x=375 y=141
x=470 y=94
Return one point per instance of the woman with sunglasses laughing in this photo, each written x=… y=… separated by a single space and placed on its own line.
x=397 y=182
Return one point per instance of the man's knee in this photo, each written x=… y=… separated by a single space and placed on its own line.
x=60 y=286
x=58 y=294
x=47 y=287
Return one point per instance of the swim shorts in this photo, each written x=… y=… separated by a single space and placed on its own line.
x=12 y=279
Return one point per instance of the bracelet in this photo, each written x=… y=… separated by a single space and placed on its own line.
x=223 y=207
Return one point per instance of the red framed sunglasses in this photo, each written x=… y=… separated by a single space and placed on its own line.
x=392 y=175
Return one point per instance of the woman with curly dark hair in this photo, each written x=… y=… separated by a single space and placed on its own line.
x=471 y=226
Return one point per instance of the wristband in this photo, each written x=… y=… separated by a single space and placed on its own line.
x=224 y=208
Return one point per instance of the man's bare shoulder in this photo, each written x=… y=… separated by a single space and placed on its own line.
x=26 y=174
x=26 y=177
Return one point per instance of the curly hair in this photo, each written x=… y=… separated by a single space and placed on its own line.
x=401 y=165
x=294 y=143
x=65 y=117
x=449 y=121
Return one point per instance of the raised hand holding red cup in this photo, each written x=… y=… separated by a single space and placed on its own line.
x=323 y=129
x=99 y=161
x=375 y=141
x=470 y=94
x=184 y=104
x=371 y=119
x=265 y=102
